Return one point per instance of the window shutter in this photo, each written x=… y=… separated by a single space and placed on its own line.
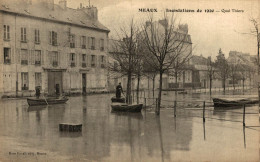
x=49 y=36
x=80 y=42
x=32 y=57
x=68 y=58
x=42 y=57
x=58 y=53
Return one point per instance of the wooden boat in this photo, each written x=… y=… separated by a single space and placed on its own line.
x=121 y=100
x=127 y=108
x=47 y=101
x=218 y=102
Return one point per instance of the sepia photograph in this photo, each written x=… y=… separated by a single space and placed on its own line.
x=129 y=80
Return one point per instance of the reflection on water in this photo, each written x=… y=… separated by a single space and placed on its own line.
x=142 y=136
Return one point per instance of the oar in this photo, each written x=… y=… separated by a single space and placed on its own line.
x=45 y=99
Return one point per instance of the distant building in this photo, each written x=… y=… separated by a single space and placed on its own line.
x=184 y=78
x=52 y=46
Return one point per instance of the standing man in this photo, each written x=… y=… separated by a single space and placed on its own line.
x=119 y=89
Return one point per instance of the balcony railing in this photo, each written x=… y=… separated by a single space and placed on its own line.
x=55 y=63
x=84 y=65
x=37 y=62
x=93 y=47
x=103 y=66
x=7 y=61
x=93 y=64
x=25 y=88
x=72 y=64
x=24 y=62
x=83 y=46
x=101 y=48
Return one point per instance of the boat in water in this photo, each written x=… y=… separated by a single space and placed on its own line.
x=120 y=100
x=126 y=108
x=46 y=101
x=234 y=102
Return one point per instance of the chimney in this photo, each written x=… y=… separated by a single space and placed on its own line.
x=91 y=11
x=63 y=4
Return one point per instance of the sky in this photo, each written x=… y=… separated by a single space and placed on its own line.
x=209 y=31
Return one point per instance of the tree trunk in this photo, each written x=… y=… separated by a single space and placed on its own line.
x=137 y=89
x=160 y=93
x=224 y=84
x=176 y=82
x=210 y=85
x=153 y=84
x=128 y=90
x=243 y=84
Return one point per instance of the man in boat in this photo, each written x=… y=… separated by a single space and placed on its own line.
x=37 y=91
x=119 y=89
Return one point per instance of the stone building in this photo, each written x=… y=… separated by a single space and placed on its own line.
x=60 y=49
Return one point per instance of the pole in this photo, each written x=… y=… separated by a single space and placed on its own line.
x=145 y=103
x=204 y=112
x=244 y=112
x=175 y=107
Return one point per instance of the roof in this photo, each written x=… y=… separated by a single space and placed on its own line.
x=71 y=16
x=199 y=60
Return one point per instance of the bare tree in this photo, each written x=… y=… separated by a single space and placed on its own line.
x=164 y=44
x=125 y=52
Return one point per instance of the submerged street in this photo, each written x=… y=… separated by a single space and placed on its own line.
x=32 y=133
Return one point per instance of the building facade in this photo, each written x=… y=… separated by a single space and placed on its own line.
x=51 y=46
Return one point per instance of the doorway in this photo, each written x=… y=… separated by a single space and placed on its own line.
x=55 y=83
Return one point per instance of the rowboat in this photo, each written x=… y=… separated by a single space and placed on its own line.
x=47 y=101
x=121 y=100
x=218 y=102
x=126 y=108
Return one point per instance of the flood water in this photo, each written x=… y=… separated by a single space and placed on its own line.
x=26 y=131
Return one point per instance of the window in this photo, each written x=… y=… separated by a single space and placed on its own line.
x=25 y=81
x=83 y=42
x=24 y=57
x=23 y=35
x=37 y=57
x=37 y=36
x=102 y=61
x=7 y=55
x=84 y=60
x=72 y=60
x=72 y=41
x=6 y=32
x=92 y=43
x=93 y=60
x=102 y=44
x=38 y=80
x=53 y=37
x=53 y=56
